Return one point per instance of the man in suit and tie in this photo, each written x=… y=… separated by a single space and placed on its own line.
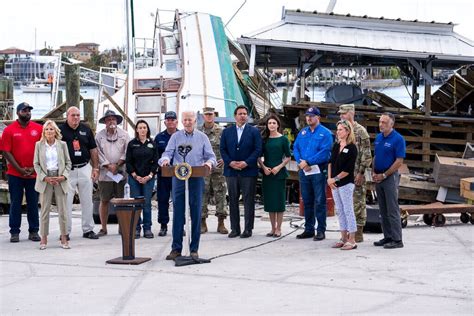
x=240 y=147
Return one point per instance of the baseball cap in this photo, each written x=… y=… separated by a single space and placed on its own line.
x=22 y=106
x=170 y=115
x=313 y=111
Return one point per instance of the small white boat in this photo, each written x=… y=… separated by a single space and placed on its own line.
x=36 y=88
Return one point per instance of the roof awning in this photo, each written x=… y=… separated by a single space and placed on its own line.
x=344 y=40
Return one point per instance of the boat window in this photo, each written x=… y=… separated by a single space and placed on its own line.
x=148 y=84
x=170 y=65
x=147 y=104
x=169 y=45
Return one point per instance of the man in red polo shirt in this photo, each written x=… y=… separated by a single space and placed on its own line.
x=19 y=139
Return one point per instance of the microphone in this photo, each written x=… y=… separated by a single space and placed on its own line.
x=184 y=149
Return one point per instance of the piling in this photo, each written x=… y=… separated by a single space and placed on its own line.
x=72 y=85
x=89 y=112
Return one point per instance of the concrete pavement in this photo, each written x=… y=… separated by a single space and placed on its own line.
x=433 y=274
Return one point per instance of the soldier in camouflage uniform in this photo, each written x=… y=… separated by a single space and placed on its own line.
x=363 y=161
x=215 y=182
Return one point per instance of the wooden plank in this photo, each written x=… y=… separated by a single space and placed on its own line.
x=432 y=140
x=467 y=188
x=437 y=208
x=448 y=171
x=433 y=152
x=416 y=195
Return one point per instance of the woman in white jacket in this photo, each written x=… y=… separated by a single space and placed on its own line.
x=52 y=165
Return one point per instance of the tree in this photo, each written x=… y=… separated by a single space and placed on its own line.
x=47 y=51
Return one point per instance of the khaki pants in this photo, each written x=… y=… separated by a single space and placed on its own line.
x=45 y=199
x=80 y=178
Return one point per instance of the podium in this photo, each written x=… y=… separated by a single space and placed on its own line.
x=184 y=172
x=128 y=212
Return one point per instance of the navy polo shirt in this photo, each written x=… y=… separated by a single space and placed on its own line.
x=387 y=150
x=161 y=141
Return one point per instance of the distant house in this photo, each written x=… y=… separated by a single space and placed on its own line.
x=92 y=46
x=81 y=51
x=13 y=52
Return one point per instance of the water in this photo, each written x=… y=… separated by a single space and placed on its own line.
x=41 y=102
x=400 y=94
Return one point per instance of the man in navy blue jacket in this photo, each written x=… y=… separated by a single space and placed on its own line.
x=240 y=147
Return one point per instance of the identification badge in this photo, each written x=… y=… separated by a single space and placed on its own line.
x=345 y=150
x=77 y=153
x=75 y=145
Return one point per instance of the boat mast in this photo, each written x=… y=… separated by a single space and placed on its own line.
x=129 y=101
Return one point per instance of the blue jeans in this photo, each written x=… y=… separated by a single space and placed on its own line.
x=313 y=191
x=163 y=188
x=17 y=186
x=196 y=190
x=145 y=190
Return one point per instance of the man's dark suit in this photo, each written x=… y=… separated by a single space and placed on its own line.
x=248 y=149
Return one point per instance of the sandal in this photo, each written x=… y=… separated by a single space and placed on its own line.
x=277 y=235
x=102 y=233
x=65 y=246
x=270 y=234
x=339 y=244
x=42 y=246
x=349 y=246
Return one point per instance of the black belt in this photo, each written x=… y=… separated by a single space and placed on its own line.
x=79 y=165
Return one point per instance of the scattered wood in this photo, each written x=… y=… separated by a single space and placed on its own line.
x=448 y=172
x=467 y=188
x=438 y=208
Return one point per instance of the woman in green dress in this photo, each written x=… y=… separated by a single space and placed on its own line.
x=276 y=154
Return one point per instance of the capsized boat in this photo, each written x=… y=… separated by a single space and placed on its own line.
x=185 y=67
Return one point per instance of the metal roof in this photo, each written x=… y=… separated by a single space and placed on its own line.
x=355 y=35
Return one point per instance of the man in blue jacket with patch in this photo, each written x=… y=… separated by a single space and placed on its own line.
x=240 y=147
x=312 y=150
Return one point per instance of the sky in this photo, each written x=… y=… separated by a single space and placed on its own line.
x=68 y=22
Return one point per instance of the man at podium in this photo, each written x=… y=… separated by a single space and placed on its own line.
x=191 y=146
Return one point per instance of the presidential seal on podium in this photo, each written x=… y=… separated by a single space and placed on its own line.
x=183 y=171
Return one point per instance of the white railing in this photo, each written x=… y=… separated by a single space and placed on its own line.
x=146 y=52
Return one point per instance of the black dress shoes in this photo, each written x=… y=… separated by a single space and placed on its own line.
x=305 y=235
x=90 y=235
x=163 y=230
x=319 y=236
x=246 y=234
x=233 y=234
x=382 y=242
x=33 y=236
x=393 y=244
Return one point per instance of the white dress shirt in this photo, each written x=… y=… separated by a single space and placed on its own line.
x=52 y=156
x=240 y=130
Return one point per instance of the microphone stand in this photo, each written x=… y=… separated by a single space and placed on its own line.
x=187 y=259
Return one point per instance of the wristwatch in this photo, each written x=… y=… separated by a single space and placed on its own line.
x=384 y=175
x=336 y=178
